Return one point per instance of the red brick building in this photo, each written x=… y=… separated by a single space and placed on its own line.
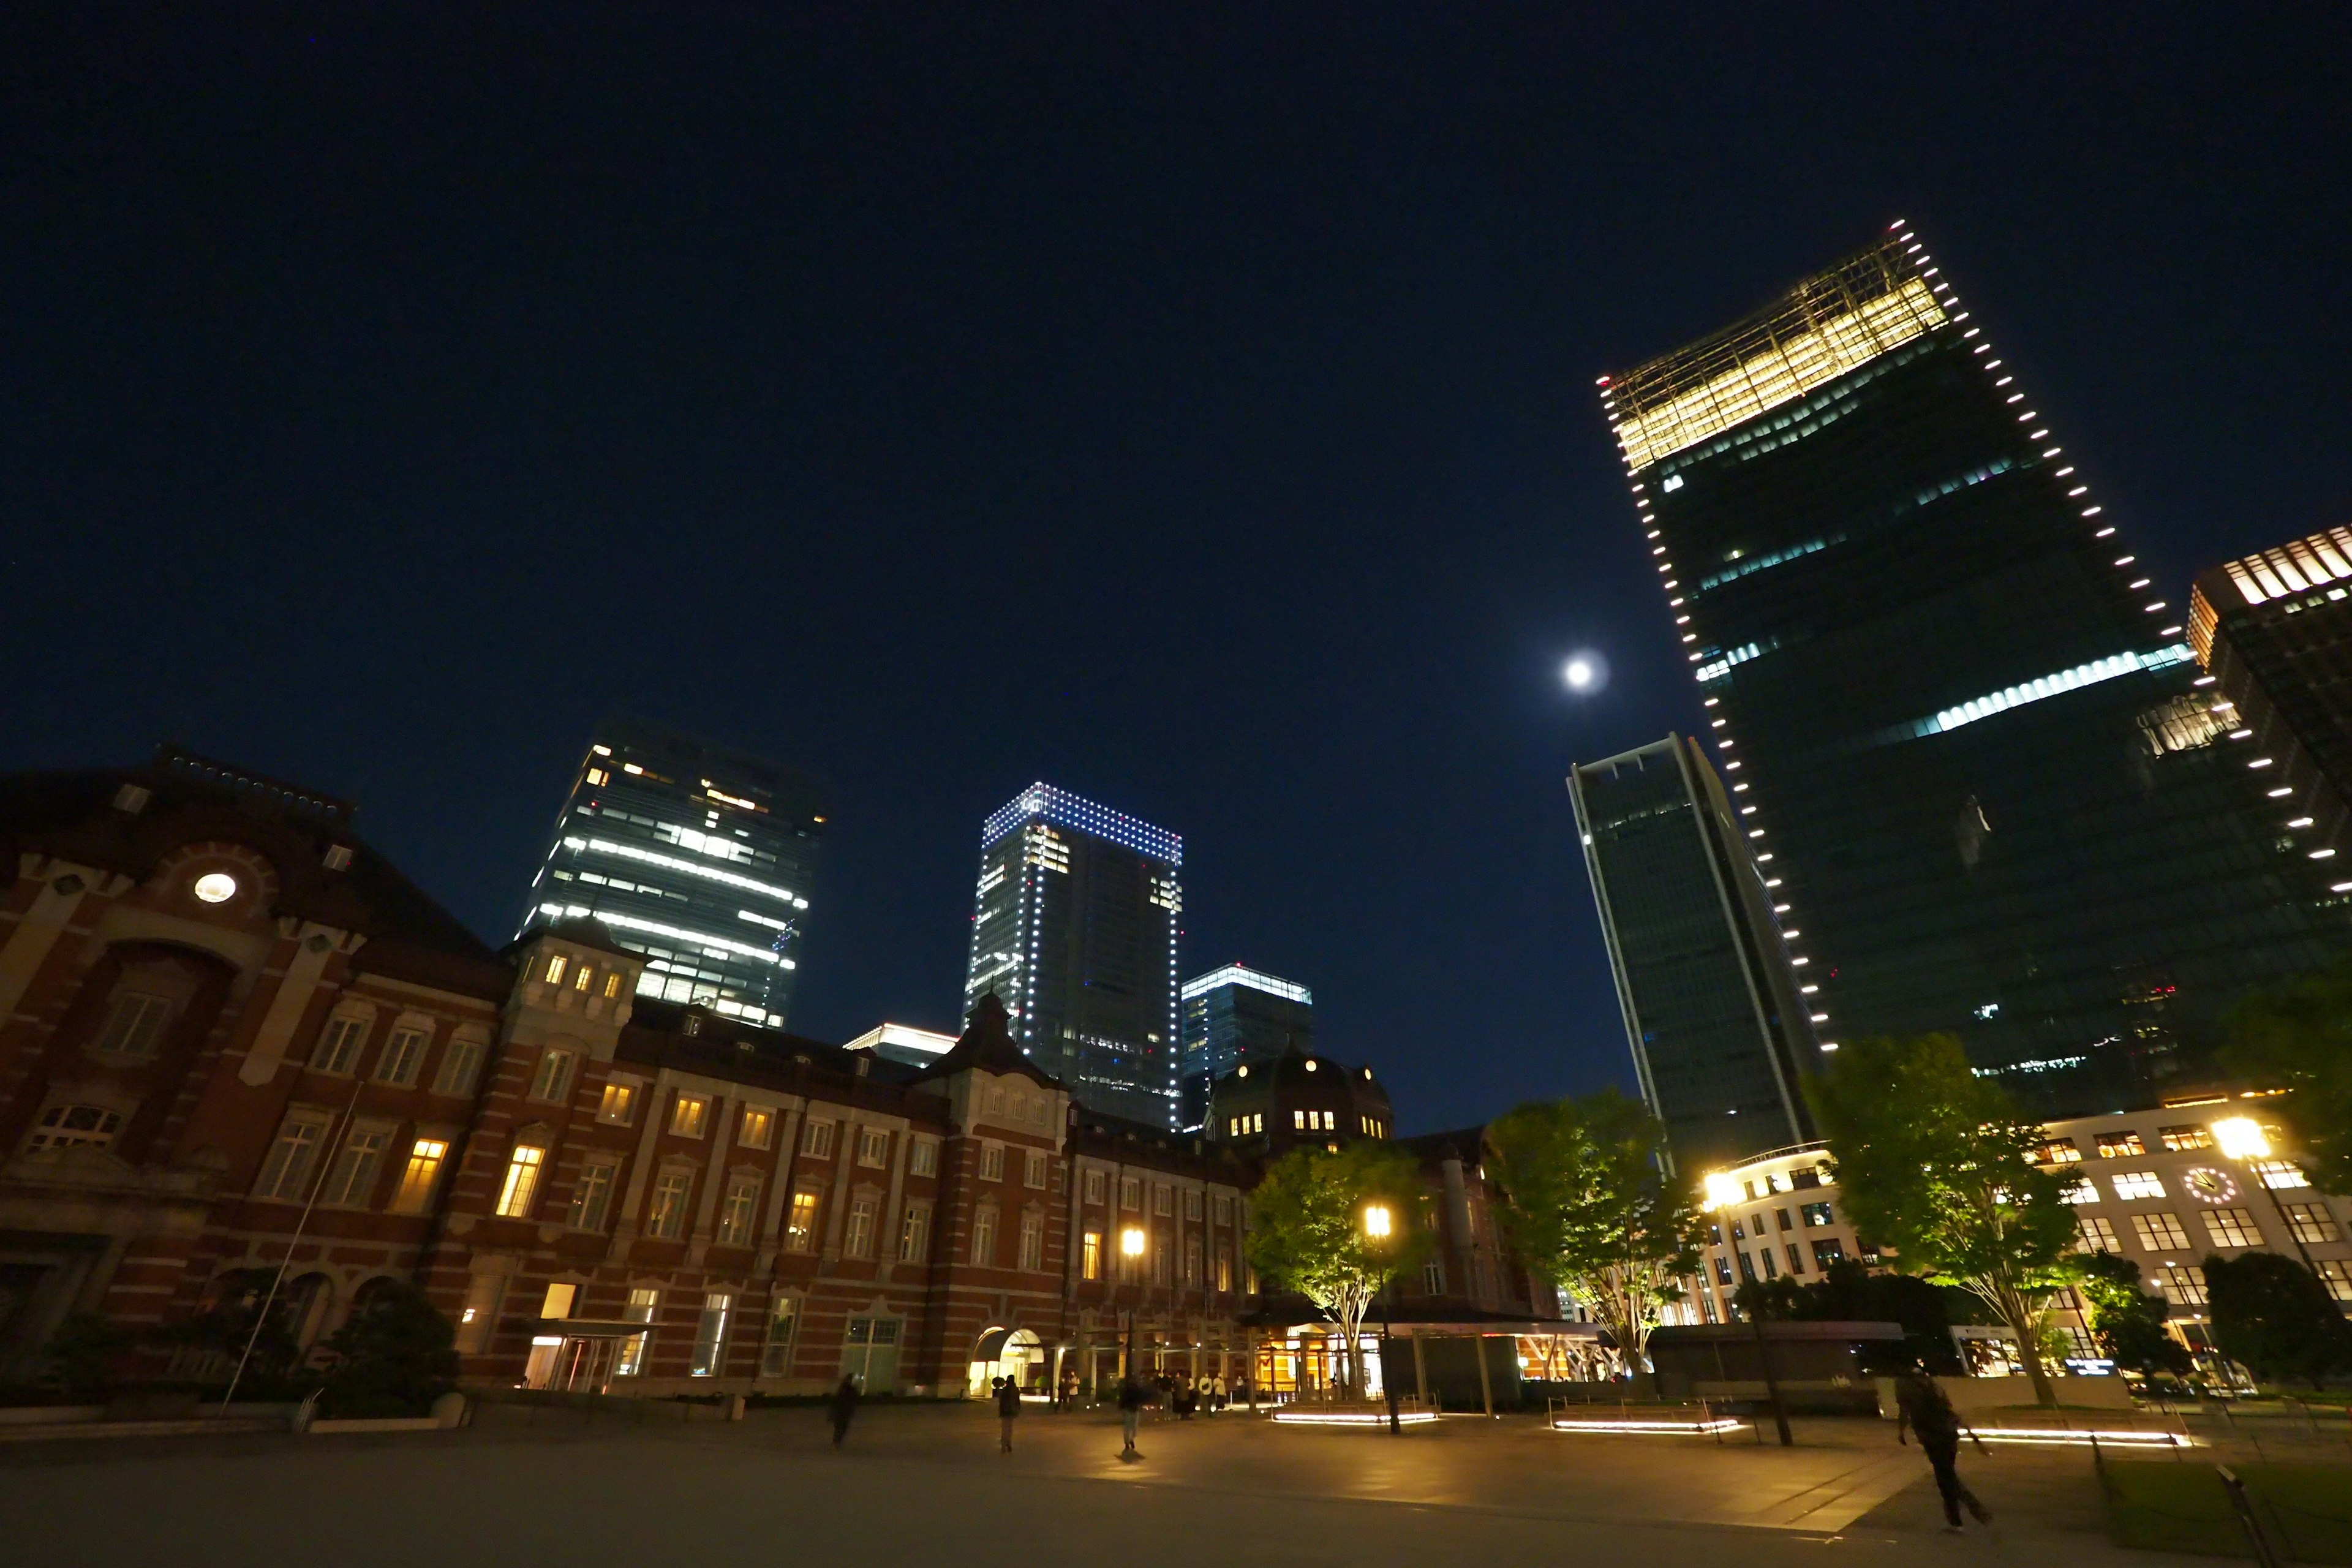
x=233 y=1037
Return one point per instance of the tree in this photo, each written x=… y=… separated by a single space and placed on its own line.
x=1934 y=1160
x=2298 y=1032
x=2127 y=1321
x=1587 y=1205
x=2272 y=1317
x=1849 y=1292
x=395 y=1356
x=1308 y=1234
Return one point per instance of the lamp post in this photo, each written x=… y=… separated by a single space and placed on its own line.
x=1377 y=1226
x=1722 y=1194
x=1130 y=1245
x=2242 y=1139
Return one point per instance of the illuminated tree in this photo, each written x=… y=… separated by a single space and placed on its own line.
x=1586 y=1204
x=1307 y=1233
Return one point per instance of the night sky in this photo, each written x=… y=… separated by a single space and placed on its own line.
x=1188 y=406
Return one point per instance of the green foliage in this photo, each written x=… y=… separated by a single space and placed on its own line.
x=1307 y=1227
x=395 y=1356
x=1847 y=1292
x=2126 y=1320
x=225 y=1326
x=1586 y=1205
x=2298 y=1032
x=2271 y=1316
x=1933 y=1161
x=84 y=1350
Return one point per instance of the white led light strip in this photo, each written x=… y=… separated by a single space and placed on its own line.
x=630 y=922
x=692 y=868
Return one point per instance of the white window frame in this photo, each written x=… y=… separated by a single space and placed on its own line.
x=664 y=1220
x=337 y=1050
x=739 y=1209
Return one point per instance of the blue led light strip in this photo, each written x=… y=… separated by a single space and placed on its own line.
x=2034 y=691
x=1066 y=810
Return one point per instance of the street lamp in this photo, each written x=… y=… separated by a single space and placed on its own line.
x=1377 y=1225
x=1130 y=1245
x=1722 y=1194
x=2242 y=1139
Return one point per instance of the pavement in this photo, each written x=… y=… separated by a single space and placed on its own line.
x=925 y=1484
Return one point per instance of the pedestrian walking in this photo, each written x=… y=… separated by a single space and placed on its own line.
x=1131 y=1400
x=1926 y=1409
x=1069 y=1388
x=1216 y=1394
x=844 y=1407
x=1008 y=1410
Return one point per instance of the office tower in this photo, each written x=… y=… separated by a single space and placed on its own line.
x=1233 y=1015
x=1714 y=1010
x=1075 y=929
x=697 y=857
x=904 y=1043
x=1955 y=716
x=2274 y=634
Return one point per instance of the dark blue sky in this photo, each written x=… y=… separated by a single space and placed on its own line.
x=1187 y=406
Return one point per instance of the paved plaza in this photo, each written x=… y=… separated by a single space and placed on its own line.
x=926 y=1484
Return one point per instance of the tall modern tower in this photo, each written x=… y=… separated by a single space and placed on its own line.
x=1075 y=928
x=2274 y=633
x=1716 y=1015
x=1957 y=717
x=697 y=857
x=1234 y=1016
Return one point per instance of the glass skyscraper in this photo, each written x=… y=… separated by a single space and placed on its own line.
x=697 y=857
x=1714 y=1011
x=1959 y=719
x=1075 y=928
x=1237 y=1015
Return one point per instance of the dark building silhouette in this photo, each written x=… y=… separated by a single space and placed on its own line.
x=2274 y=634
x=1272 y=1106
x=1962 y=712
x=1716 y=1015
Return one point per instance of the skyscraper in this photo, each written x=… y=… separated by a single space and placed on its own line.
x=697 y=857
x=1714 y=1011
x=1075 y=927
x=2274 y=634
x=1956 y=715
x=1233 y=1015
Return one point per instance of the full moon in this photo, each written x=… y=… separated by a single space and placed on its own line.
x=1585 y=672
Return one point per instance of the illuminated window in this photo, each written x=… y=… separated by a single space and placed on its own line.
x=2080 y=1191
x=1819 y=1213
x=612 y=984
x=338 y=1046
x=350 y=1179
x=1033 y=1241
x=422 y=1173
x=1225 y=1269
x=403 y=1055
x=710 y=1334
x=2058 y=1152
x=739 y=1212
x=459 y=1063
x=521 y=1182
x=1091 y=1255
x=915 y=1233
x=2280 y=1173
x=858 y=1231
x=552 y=1081
x=873 y=1147
x=135 y=1023
x=559 y=1300
x=757 y=1128
x=619 y=1105
x=984 y=1237
x=688 y=1114
x=2161 y=1231
x=2094 y=1234
x=591 y=1198
x=1033 y=1174
x=478 y=1316
x=1829 y=1249
x=2182 y=1140
x=2139 y=1184
x=284 y=1170
x=817 y=1143
x=800 y=1225
x=2233 y=1228
x=1257 y=1121
x=555 y=975
x=63 y=1126
x=1299 y=1121
x=923 y=1159
x=2184 y=1285
x=643 y=1304
x=2336 y=1274
x=2120 y=1145
x=2312 y=1222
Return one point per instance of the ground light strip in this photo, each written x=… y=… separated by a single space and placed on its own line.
x=1350 y=1418
x=1669 y=1428
x=2121 y=1439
